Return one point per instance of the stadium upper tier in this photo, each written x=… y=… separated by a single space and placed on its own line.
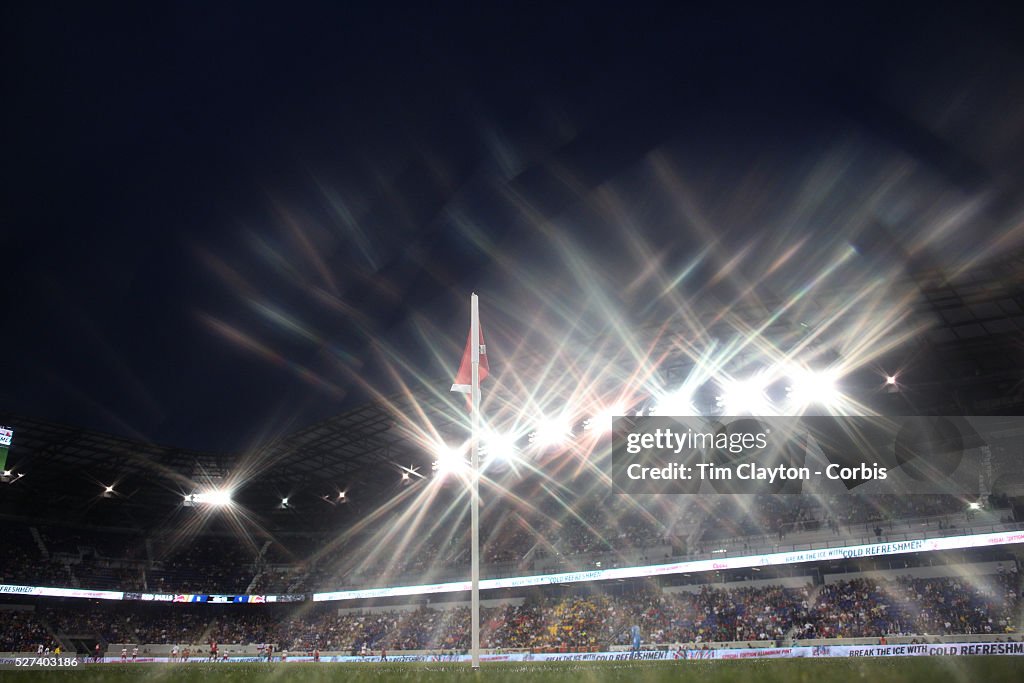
x=603 y=532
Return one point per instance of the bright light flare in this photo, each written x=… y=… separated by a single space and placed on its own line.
x=745 y=397
x=214 y=498
x=601 y=423
x=498 y=447
x=807 y=387
x=449 y=460
x=220 y=497
x=552 y=431
x=679 y=403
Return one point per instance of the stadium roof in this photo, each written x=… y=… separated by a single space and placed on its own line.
x=965 y=346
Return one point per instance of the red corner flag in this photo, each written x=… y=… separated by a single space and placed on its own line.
x=464 y=378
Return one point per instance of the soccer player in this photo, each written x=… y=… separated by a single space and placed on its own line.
x=124 y=655
x=135 y=653
x=213 y=651
x=185 y=653
x=636 y=640
x=316 y=654
x=174 y=653
x=96 y=653
x=284 y=655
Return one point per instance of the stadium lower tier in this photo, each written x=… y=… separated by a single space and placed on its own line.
x=592 y=618
x=935 y=648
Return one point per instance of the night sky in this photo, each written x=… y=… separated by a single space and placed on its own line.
x=211 y=214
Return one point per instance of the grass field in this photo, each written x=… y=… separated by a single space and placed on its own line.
x=897 y=669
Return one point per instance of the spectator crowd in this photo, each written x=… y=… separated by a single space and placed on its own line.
x=859 y=607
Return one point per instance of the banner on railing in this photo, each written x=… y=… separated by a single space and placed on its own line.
x=213 y=598
x=7 y=589
x=695 y=566
x=803 y=651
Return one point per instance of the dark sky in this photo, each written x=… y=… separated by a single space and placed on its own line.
x=209 y=209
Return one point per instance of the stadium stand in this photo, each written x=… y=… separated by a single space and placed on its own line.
x=526 y=544
x=581 y=620
x=22 y=631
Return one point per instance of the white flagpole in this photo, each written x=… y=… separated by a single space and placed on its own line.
x=474 y=333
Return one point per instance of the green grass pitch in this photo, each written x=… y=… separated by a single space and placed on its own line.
x=896 y=669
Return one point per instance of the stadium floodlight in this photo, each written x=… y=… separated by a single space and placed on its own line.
x=602 y=421
x=449 y=460
x=219 y=497
x=108 y=491
x=807 y=387
x=284 y=502
x=213 y=498
x=890 y=380
x=744 y=397
x=679 y=403
x=408 y=473
x=341 y=495
x=552 y=431
x=974 y=506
